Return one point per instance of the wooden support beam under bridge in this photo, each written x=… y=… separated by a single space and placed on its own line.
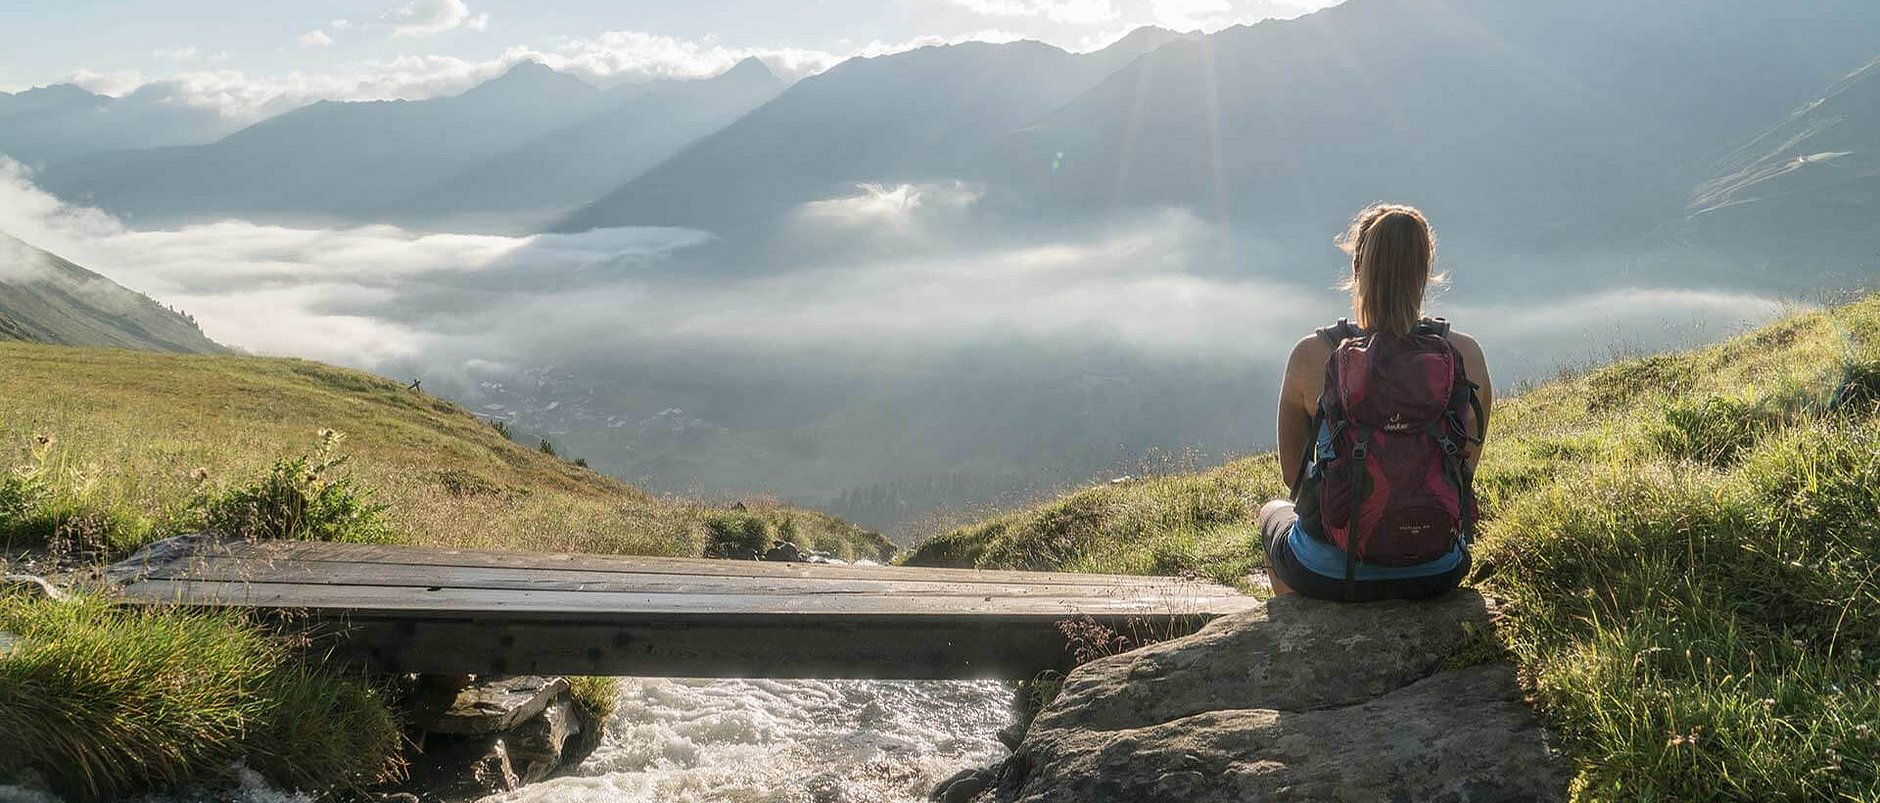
x=430 y=610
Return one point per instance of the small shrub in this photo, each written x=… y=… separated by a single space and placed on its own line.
x=24 y=490
x=732 y=532
x=546 y=448
x=307 y=498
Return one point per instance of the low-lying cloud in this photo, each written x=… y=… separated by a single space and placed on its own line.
x=1143 y=281
x=902 y=332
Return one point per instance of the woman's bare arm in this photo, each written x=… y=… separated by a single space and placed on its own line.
x=1476 y=363
x=1298 y=395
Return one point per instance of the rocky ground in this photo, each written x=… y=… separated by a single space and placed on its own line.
x=1301 y=700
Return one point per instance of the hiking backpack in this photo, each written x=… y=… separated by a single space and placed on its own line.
x=1383 y=476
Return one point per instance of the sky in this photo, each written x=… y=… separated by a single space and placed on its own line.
x=250 y=59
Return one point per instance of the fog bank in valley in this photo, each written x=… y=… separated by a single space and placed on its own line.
x=892 y=353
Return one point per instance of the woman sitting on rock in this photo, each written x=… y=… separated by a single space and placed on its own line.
x=1380 y=425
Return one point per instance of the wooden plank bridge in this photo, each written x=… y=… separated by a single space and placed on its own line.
x=428 y=610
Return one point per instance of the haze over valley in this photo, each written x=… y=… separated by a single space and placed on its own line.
x=932 y=279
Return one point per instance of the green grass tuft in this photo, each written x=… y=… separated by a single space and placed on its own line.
x=1200 y=524
x=595 y=696
x=103 y=701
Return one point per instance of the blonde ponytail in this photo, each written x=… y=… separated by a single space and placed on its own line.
x=1392 y=251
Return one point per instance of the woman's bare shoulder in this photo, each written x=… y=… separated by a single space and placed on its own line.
x=1465 y=343
x=1310 y=352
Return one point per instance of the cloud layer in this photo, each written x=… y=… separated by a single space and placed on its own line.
x=894 y=332
x=881 y=273
x=430 y=17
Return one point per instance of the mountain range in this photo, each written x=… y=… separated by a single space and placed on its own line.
x=1531 y=120
x=524 y=147
x=45 y=298
x=1522 y=124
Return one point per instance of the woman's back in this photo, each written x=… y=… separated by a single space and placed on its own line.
x=1387 y=457
x=1304 y=381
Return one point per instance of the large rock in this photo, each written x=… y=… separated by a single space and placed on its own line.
x=539 y=746
x=491 y=705
x=1300 y=700
x=483 y=736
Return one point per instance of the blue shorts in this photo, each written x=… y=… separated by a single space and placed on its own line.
x=1276 y=529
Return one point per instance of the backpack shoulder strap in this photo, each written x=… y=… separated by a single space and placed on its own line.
x=1338 y=333
x=1435 y=326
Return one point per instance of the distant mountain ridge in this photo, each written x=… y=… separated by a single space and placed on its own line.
x=54 y=123
x=561 y=169
x=526 y=146
x=47 y=299
x=328 y=161
x=913 y=116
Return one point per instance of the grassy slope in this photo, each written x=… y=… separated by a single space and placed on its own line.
x=137 y=435
x=106 y=449
x=67 y=304
x=1688 y=547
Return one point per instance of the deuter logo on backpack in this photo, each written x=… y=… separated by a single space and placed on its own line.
x=1386 y=482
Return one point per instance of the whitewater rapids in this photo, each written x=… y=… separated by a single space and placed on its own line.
x=784 y=741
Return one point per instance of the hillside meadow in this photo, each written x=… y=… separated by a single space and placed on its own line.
x=1686 y=548
x=104 y=450
x=124 y=447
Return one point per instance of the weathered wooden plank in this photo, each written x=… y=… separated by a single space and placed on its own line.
x=625 y=605
x=229 y=569
x=946 y=649
x=435 y=556
x=420 y=609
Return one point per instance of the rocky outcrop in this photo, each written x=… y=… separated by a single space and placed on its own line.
x=1300 y=700
x=488 y=735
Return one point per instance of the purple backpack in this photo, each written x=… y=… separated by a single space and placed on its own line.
x=1392 y=489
